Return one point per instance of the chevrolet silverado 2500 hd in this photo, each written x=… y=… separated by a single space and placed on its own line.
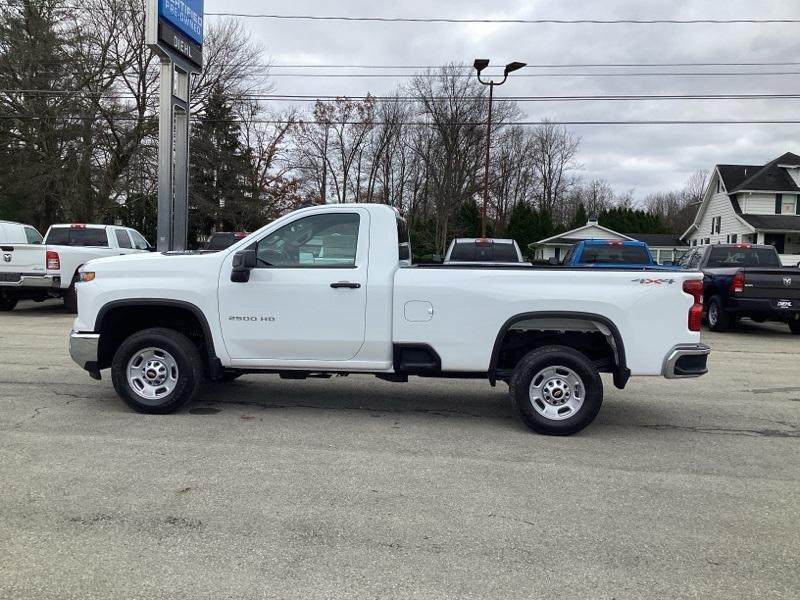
x=331 y=290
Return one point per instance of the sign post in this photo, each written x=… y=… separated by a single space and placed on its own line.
x=174 y=32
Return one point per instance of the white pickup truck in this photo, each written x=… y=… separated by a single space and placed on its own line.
x=32 y=269
x=331 y=290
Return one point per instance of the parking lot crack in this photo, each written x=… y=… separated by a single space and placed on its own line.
x=36 y=412
x=777 y=433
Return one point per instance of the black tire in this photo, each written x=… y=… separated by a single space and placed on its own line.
x=794 y=326
x=718 y=318
x=187 y=361
x=71 y=296
x=532 y=366
x=8 y=300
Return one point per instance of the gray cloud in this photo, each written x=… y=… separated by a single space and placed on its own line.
x=647 y=158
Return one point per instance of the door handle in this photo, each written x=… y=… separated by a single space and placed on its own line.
x=345 y=284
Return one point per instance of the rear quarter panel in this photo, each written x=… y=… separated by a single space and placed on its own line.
x=470 y=307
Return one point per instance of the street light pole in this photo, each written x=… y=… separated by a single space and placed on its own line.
x=480 y=64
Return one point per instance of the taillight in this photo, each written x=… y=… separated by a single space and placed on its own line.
x=694 y=287
x=53 y=262
x=737 y=283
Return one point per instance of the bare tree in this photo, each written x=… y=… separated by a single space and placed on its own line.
x=554 y=150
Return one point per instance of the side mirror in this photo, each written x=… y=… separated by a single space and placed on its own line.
x=553 y=261
x=244 y=261
x=151 y=248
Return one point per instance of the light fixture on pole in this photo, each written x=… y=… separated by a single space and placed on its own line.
x=480 y=64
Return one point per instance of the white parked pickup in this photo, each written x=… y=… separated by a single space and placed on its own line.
x=37 y=270
x=331 y=290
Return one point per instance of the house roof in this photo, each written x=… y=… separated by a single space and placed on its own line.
x=658 y=240
x=734 y=175
x=568 y=237
x=771 y=177
x=774 y=222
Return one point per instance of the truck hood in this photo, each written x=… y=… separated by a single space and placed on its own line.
x=153 y=261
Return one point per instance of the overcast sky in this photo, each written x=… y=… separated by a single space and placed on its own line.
x=644 y=158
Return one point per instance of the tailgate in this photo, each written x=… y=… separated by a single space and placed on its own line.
x=774 y=284
x=21 y=259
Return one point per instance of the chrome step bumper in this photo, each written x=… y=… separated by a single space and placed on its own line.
x=687 y=360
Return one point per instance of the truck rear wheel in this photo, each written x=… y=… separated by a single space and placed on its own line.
x=794 y=326
x=8 y=300
x=556 y=390
x=157 y=371
x=718 y=318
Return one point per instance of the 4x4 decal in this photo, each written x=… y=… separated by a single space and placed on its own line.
x=650 y=281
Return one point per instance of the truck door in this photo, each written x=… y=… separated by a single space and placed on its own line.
x=307 y=297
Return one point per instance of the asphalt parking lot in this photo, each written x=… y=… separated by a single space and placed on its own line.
x=357 y=488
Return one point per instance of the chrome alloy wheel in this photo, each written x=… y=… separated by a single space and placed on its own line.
x=713 y=314
x=152 y=374
x=557 y=393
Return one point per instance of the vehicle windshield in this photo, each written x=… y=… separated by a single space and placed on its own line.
x=743 y=257
x=609 y=254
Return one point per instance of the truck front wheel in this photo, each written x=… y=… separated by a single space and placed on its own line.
x=157 y=371
x=556 y=390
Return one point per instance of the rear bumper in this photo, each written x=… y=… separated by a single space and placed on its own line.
x=83 y=348
x=686 y=360
x=34 y=281
x=764 y=307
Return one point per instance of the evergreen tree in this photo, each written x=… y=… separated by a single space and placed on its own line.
x=527 y=225
x=581 y=218
x=220 y=196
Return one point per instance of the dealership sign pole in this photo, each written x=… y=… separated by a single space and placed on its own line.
x=175 y=34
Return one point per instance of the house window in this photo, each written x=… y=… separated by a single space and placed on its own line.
x=734 y=238
x=788 y=205
x=778 y=202
x=719 y=186
x=716 y=225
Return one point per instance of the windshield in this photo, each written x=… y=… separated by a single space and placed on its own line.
x=743 y=257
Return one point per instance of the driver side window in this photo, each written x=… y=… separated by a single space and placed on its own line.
x=318 y=241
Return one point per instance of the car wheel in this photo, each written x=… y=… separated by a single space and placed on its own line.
x=71 y=296
x=157 y=371
x=8 y=300
x=556 y=390
x=794 y=326
x=718 y=317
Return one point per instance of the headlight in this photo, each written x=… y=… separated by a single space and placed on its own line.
x=87 y=276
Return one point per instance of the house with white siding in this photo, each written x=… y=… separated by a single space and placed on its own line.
x=663 y=247
x=759 y=204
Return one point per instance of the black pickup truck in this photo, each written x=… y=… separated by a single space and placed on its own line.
x=746 y=280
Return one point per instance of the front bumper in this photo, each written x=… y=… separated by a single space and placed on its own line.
x=686 y=360
x=83 y=348
x=34 y=281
